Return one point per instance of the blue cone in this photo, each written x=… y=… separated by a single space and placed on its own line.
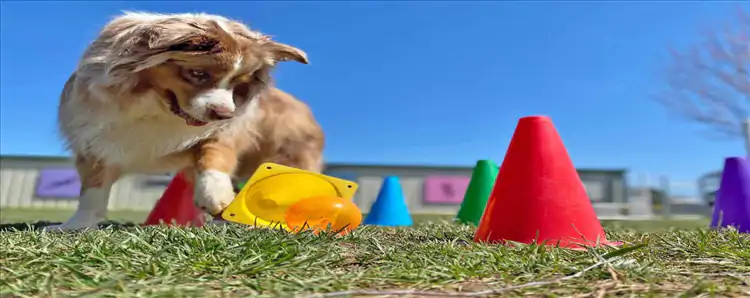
x=389 y=209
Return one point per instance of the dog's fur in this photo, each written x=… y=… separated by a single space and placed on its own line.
x=182 y=92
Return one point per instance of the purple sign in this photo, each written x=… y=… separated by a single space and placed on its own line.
x=58 y=183
x=445 y=189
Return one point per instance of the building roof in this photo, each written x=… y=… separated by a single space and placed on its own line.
x=440 y=167
x=331 y=164
x=36 y=157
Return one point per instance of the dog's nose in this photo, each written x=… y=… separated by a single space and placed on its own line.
x=221 y=113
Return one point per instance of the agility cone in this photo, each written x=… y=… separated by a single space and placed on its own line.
x=240 y=185
x=176 y=204
x=538 y=196
x=480 y=187
x=732 y=205
x=389 y=209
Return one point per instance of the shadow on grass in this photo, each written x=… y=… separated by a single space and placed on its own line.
x=25 y=226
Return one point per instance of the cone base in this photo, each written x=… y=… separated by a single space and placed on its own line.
x=740 y=229
x=177 y=218
x=741 y=224
x=175 y=207
x=196 y=224
x=567 y=244
x=198 y=221
x=593 y=245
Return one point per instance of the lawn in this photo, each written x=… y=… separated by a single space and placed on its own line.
x=658 y=259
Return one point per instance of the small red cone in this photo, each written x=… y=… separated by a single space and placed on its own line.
x=176 y=204
x=538 y=196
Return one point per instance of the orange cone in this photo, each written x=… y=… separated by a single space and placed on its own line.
x=176 y=205
x=538 y=196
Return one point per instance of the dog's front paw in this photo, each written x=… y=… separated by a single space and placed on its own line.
x=213 y=191
x=79 y=221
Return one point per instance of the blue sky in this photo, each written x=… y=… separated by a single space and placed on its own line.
x=419 y=82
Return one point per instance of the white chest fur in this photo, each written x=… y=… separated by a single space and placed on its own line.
x=136 y=139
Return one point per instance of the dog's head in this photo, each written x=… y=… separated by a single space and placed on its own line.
x=204 y=67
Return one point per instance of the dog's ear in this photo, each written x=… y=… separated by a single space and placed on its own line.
x=167 y=45
x=170 y=41
x=193 y=37
x=199 y=43
x=282 y=52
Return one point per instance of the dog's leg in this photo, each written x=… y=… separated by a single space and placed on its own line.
x=308 y=157
x=190 y=174
x=214 y=165
x=311 y=160
x=96 y=184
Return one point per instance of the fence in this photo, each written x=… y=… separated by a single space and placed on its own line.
x=52 y=183
x=653 y=196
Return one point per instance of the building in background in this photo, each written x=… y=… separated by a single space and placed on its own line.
x=52 y=182
x=440 y=189
x=708 y=184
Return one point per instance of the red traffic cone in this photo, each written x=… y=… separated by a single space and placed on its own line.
x=538 y=196
x=176 y=205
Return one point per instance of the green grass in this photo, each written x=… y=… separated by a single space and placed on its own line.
x=434 y=256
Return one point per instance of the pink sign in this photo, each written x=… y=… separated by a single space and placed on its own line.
x=445 y=189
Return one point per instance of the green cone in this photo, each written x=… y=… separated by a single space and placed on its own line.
x=240 y=185
x=478 y=192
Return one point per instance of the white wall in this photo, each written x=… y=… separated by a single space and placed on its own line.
x=19 y=178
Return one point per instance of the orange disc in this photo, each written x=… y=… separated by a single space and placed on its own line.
x=324 y=212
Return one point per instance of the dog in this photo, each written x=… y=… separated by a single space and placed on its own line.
x=190 y=93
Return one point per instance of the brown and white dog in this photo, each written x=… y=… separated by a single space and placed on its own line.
x=181 y=92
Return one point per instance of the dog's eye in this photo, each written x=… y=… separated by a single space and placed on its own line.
x=197 y=77
x=242 y=90
x=197 y=73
